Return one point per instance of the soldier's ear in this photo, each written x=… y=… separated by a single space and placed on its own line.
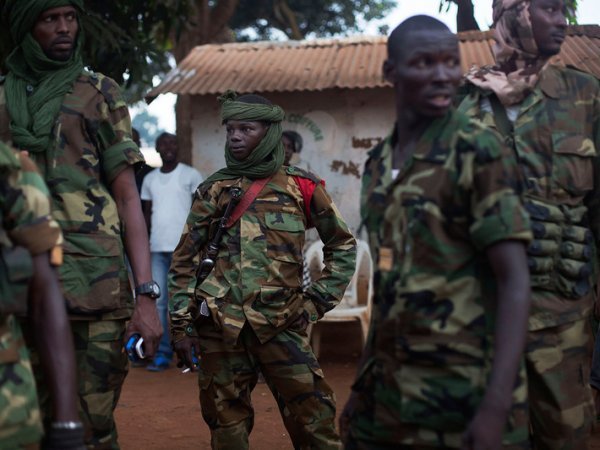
x=389 y=71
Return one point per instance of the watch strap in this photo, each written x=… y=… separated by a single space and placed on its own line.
x=146 y=288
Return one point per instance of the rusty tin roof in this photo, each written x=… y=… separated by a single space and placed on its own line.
x=345 y=63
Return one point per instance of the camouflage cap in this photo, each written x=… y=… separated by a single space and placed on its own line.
x=22 y=14
x=514 y=33
x=518 y=61
x=500 y=6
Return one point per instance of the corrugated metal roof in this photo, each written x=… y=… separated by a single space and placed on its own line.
x=352 y=63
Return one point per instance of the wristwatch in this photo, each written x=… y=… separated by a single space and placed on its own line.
x=151 y=289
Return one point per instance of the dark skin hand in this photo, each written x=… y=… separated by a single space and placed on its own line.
x=54 y=343
x=147 y=210
x=185 y=348
x=144 y=320
x=509 y=264
x=53 y=339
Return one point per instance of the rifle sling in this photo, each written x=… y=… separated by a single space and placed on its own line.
x=247 y=199
x=503 y=123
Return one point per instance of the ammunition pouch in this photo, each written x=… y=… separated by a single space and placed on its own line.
x=16 y=270
x=561 y=256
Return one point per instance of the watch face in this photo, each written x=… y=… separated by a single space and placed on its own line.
x=151 y=289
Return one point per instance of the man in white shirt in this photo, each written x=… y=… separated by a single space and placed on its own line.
x=166 y=200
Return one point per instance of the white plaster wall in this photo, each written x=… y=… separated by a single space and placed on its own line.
x=338 y=128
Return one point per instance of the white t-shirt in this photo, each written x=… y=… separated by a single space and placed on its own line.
x=171 y=196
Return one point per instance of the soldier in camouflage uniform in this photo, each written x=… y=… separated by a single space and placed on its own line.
x=250 y=312
x=76 y=127
x=27 y=228
x=447 y=233
x=550 y=117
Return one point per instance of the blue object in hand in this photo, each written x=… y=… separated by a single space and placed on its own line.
x=135 y=348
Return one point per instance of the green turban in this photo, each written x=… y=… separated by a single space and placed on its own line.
x=36 y=85
x=22 y=14
x=268 y=156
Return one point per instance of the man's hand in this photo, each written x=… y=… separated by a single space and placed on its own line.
x=187 y=349
x=145 y=321
x=485 y=430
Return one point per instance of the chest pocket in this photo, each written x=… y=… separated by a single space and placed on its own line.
x=285 y=236
x=572 y=168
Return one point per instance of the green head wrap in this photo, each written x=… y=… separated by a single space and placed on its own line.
x=268 y=156
x=36 y=84
x=22 y=14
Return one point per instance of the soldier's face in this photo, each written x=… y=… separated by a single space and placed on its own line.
x=548 y=23
x=243 y=136
x=167 y=148
x=56 y=31
x=426 y=73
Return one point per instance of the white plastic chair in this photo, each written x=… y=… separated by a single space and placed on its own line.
x=356 y=303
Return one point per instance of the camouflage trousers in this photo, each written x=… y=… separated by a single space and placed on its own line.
x=560 y=397
x=20 y=423
x=382 y=418
x=229 y=373
x=101 y=369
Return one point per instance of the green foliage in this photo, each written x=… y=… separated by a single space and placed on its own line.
x=572 y=11
x=318 y=17
x=131 y=40
x=570 y=4
x=125 y=40
x=147 y=126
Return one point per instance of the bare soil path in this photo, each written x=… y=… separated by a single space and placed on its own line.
x=160 y=411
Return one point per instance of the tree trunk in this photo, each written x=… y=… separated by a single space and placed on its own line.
x=465 y=16
x=208 y=25
x=183 y=116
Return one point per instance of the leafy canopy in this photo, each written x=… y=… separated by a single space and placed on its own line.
x=132 y=40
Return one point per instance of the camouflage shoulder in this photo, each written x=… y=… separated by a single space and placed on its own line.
x=205 y=186
x=476 y=136
x=572 y=70
x=468 y=97
x=465 y=90
x=9 y=160
x=108 y=87
x=299 y=172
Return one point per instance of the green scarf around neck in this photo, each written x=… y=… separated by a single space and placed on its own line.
x=268 y=156
x=36 y=85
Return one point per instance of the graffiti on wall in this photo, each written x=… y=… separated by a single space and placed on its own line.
x=365 y=142
x=308 y=123
x=345 y=168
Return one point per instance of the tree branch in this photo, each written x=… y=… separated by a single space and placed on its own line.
x=287 y=16
x=221 y=15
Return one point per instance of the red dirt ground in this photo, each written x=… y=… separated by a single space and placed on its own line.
x=160 y=411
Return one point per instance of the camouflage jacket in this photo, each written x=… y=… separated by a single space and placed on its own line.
x=556 y=140
x=25 y=218
x=93 y=145
x=258 y=273
x=25 y=221
x=432 y=321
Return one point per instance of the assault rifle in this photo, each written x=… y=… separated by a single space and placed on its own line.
x=212 y=249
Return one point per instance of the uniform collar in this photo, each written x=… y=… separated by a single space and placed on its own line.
x=551 y=83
